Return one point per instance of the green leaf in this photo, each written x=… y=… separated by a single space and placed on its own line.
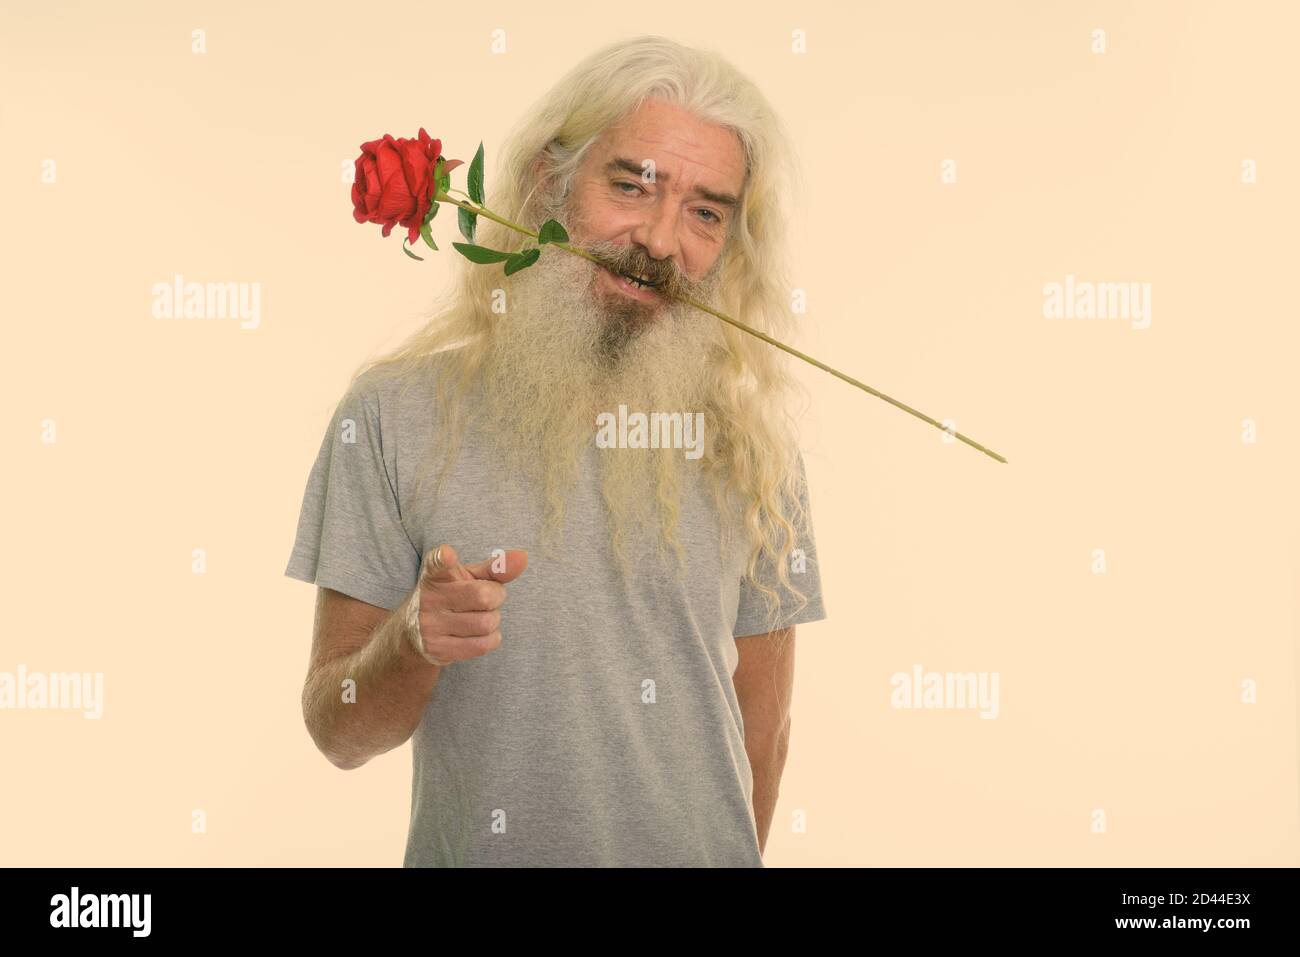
x=551 y=232
x=522 y=260
x=481 y=254
x=426 y=233
x=441 y=177
x=467 y=222
x=474 y=181
x=405 y=240
x=433 y=211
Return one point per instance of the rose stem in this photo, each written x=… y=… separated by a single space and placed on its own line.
x=482 y=211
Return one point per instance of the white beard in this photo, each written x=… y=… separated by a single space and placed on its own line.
x=564 y=351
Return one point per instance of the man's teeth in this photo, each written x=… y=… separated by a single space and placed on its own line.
x=637 y=278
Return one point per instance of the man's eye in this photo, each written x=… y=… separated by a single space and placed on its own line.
x=716 y=218
x=624 y=182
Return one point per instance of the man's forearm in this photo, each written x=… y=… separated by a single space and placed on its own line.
x=767 y=760
x=392 y=684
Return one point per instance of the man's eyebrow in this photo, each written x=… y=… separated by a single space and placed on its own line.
x=620 y=163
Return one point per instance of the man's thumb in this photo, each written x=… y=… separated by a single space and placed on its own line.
x=442 y=564
x=503 y=567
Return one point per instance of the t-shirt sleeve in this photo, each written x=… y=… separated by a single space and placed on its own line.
x=752 y=617
x=350 y=534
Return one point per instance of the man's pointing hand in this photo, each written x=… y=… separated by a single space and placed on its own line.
x=454 y=612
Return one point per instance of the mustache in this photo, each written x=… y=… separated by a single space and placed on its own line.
x=666 y=277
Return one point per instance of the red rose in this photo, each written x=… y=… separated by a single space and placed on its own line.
x=394 y=182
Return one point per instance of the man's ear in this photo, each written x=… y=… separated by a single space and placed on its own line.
x=538 y=168
x=542 y=191
x=533 y=195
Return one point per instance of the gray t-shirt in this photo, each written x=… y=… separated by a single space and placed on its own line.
x=605 y=730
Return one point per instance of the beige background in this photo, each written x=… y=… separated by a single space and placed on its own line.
x=1119 y=691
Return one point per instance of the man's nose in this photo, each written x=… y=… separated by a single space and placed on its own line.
x=657 y=233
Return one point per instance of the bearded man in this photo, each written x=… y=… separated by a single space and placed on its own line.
x=590 y=644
